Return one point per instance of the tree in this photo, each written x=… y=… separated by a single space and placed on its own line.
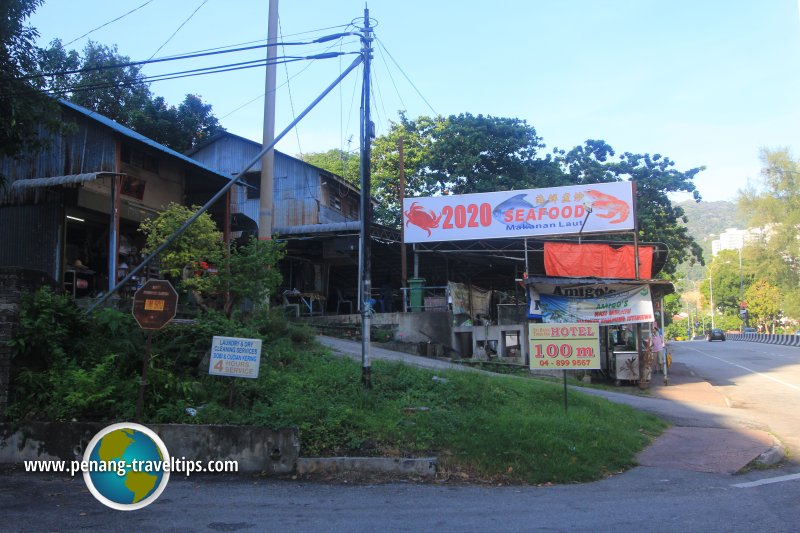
x=198 y=261
x=23 y=108
x=468 y=154
x=774 y=207
x=724 y=281
x=763 y=303
x=776 y=204
x=386 y=165
x=99 y=81
x=180 y=128
x=457 y=155
x=188 y=259
x=117 y=93
x=655 y=177
x=342 y=163
x=471 y=154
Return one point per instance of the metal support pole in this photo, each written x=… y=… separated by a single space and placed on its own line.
x=225 y=189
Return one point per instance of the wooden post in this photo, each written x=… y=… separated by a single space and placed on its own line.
x=143 y=381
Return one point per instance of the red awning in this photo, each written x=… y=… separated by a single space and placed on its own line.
x=596 y=260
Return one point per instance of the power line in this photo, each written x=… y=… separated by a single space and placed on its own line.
x=176 y=57
x=294 y=76
x=107 y=23
x=289 y=88
x=190 y=73
x=389 y=72
x=179 y=28
x=406 y=76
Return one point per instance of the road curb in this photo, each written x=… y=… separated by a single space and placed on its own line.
x=774 y=455
x=423 y=467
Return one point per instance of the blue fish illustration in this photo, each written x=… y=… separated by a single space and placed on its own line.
x=515 y=202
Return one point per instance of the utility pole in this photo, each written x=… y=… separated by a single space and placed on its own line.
x=366 y=206
x=402 y=194
x=268 y=161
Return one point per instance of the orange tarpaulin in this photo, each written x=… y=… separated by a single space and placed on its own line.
x=596 y=260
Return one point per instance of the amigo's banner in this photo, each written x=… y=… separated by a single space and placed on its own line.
x=609 y=307
x=599 y=207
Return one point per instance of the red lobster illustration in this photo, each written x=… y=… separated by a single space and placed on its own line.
x=426 y=220
x=613 y=206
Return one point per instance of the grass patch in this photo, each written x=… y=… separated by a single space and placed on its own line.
x=492 y=427
x=502 y=428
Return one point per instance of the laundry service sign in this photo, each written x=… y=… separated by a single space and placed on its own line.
x=598 y=207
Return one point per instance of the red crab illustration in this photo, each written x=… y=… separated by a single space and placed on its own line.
x=426 y=220
x=613 y=206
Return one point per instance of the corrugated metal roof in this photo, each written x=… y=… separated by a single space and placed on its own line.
x=129 y=133
x=58 y=180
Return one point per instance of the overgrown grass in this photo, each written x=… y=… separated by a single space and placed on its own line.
x=492 y=427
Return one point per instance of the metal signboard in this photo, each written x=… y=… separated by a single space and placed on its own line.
x=564 y=346
x=155 y=304
x=235 y=357
x=593 y=208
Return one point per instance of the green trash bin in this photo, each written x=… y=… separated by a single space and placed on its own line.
x=416 y=291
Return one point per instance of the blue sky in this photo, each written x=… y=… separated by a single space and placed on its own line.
x=703 y=82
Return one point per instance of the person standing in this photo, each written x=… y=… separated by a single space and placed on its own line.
x=657 y=348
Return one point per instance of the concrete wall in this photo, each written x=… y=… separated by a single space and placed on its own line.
x=410 y=327
x=15 y=283
x=256 y=449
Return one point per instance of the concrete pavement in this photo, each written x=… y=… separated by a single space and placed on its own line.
x=707 y=435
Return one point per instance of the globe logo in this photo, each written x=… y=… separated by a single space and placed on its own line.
x=126 y=466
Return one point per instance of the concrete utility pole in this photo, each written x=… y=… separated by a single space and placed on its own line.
x=366 y=206
x=268 y=161
x=402 y=193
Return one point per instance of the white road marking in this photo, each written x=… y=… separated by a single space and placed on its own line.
x=776 y=380
x=767 y=481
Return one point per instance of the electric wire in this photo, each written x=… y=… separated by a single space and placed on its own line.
x=293 y=77
x=179 y=28
x=107 y=23
x=289 y=90
x=187 y=73
x=406 y=76
x=168 y=58
x=389 y=72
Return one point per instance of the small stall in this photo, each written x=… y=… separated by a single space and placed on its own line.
x=619 y=306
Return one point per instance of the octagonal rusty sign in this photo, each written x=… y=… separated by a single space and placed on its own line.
x=155 y=304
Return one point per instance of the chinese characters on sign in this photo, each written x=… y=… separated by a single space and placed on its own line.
x=599 y=207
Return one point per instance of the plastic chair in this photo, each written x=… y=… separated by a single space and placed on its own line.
x=341 y=300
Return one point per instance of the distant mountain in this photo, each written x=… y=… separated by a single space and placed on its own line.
x=706 y=221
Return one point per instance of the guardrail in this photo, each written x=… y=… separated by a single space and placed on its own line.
x=766 y=338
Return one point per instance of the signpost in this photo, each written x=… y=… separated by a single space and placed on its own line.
x=563 y=345
x=235 y=357
x=154 y=306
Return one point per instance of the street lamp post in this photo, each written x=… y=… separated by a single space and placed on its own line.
x=742 y=309
x=711 y=290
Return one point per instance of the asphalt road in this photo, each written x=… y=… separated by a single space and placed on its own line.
x=761 y=381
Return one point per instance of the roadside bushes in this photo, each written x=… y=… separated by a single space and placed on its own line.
x=68 y=366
